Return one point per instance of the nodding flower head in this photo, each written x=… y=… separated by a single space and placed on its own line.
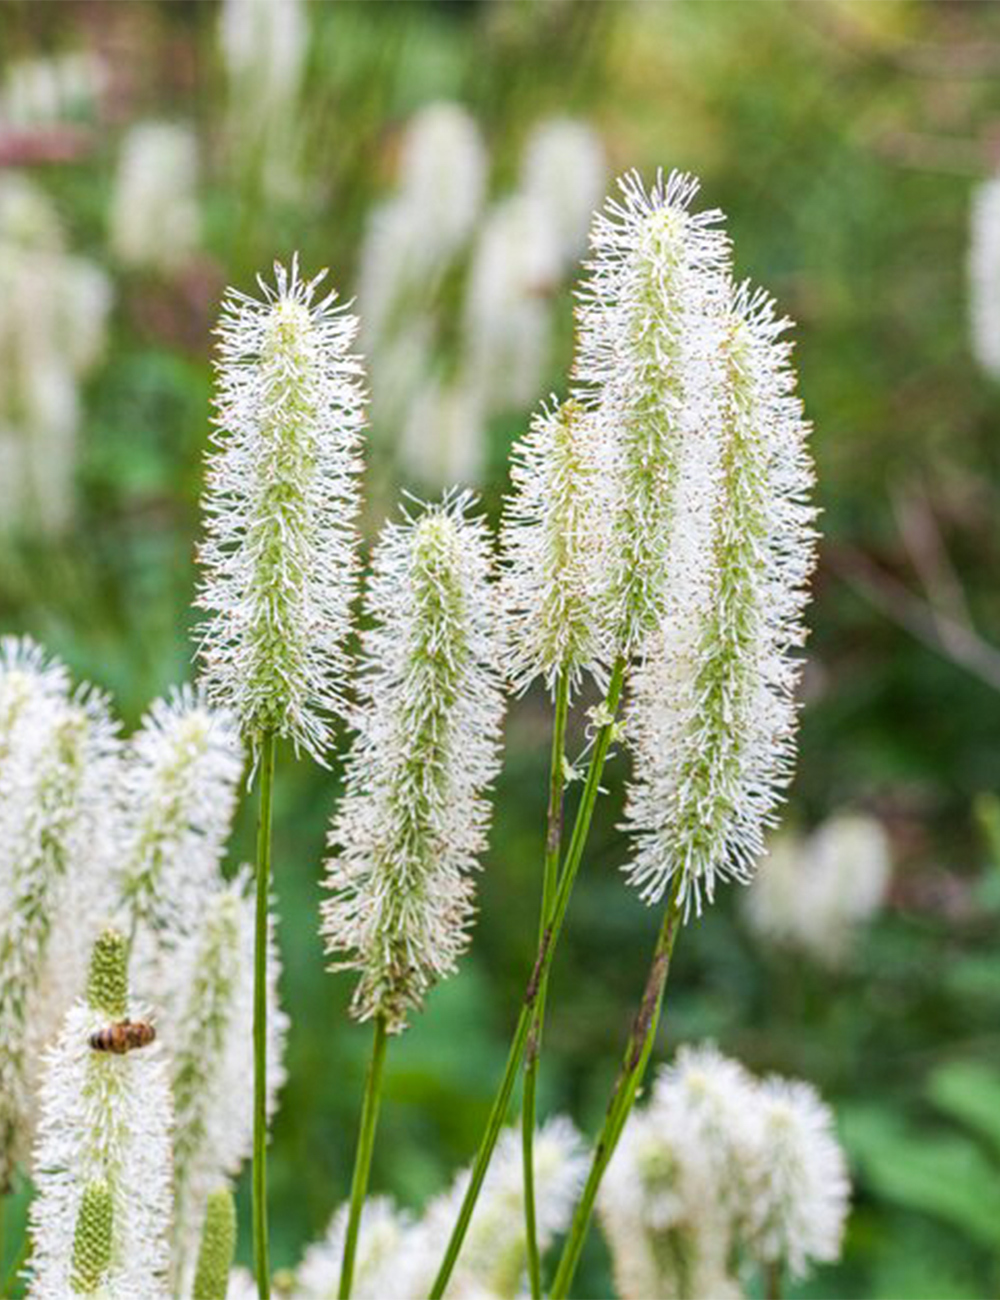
x=656 y=274
x=713 y=715
x=278 y=558
x=413 y=818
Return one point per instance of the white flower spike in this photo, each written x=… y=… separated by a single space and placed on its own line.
x=712 y=716
x=279 y=555
x=413 y=820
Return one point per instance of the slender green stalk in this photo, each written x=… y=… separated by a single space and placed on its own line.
x=15 y=1270
x=553 y=842
x=363 y=1157
x=773 y=1280
x=260 y=1020
x=633 y=1067
x=543 y=962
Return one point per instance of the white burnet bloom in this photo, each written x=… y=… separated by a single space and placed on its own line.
x=713 y=717
x=564 y=168
x=443 y=436
x=279 y=558
x=241 y=1285
x=718 y=1171
x=984 y=275
x=442 y=174
x=414 y=816
x=813 y=894
x=264 y=45
x=513 y=275
x=105 y=1123
x=555 y=549
x=154 y=217
x=43 y=91
x=179 y=791
x=206 y=1024
x=380 y=1267
x=58 y=766
x=655 y=280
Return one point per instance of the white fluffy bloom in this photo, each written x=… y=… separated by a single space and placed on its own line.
x=564 y=169
x=207 y=1027
x=443 y=438
x=984 y=275
x=515 y=270
x=58 y=764
x=442 y=177
x=555 y=547
x=382 y=1248
x=813 y=894
x=264 y=44
x=712 y=715
x=105 y=1125
x=279 y=557
x=154 y=208
x=720 y=1168
x=413 y=819
x=42 y=91
x=802 y=1193
x=179 y=796
x=655 y=280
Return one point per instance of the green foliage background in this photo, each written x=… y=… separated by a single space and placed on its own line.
x=842 y=139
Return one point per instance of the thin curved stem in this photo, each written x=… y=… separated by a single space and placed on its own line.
x=363 y=1157
x=550 y=878
x=261 y=1265
x=543 y=962
x=637 y=1053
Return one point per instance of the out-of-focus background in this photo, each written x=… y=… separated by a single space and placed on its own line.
x=442 y=159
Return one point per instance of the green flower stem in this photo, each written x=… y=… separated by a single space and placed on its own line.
x=260 y=1019
x=773 y=1280
x=553 y=841
x=633 y=1067
x=17 y=1268
x=363 y=1158
x=543 y=962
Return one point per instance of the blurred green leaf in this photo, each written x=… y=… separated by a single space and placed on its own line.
x=969 y=1092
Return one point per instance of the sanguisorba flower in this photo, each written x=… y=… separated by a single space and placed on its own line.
x=413 y=819
x=179 y=784
x=555 y=551
x=712 y=716
x=58 y=766
x=279 y=555
x=656 y=274
x=102 y=1171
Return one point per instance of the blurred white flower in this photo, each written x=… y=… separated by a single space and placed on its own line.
x=44 y=91
x=154 y=218
x=813 y=894
x=264 y=44
x=444 y=435
x=379 y=1268
x=279 y=558
x=564 y=169
x=984 y=275
x=442 y=176
x=413 y=820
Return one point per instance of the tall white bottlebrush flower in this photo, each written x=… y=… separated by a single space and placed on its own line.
x=555 y=548
x=712 y=715
x=58 y=765
x=656 y=277
x=984 y=275
x=803 y=1191
x=279 y=556
x=154 y=220
x=102 y=1156
x=814 y=894
x=207 y=1028
x=564 y=168
x=413 y=819
x=179 y=795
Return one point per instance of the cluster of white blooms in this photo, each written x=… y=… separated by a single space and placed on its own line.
x=718 y=1174
x=43 y=91
x=413 y=820
x=414 y=256
x=398 y=1255
x=178 y=799
x=207 y=1028
x=102 y=1163
x=984 y=275
x=58 y=761
x=555 y=548
x=154 y=217
x=813 y=894
x=279 y=556
x=53 y=311
x=688 y=379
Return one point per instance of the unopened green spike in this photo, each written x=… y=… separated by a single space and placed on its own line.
x=218 y=1245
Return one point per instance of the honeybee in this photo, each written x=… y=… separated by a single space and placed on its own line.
x=123 y=1036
